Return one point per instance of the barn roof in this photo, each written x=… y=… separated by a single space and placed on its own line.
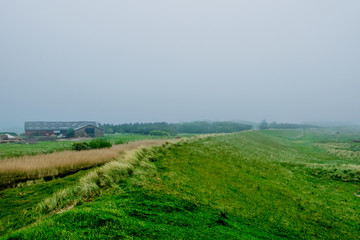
x=56 y=125
x=84 y=126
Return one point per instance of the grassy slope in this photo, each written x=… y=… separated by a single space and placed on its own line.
x=17 y=204
x=251 y=185
x=247 y=175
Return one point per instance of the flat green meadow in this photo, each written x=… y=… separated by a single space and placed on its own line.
x=8 y=150
x=33 y=147
x=271 y=184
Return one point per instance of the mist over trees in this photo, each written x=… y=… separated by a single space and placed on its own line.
x=139 y=128
x=175 y=128
x=196 y=127
x=274 y=125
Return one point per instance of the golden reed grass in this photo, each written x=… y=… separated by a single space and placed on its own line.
x=13 y=170
x=133 y=162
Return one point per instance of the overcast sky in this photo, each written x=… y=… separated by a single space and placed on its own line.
x=175 y=61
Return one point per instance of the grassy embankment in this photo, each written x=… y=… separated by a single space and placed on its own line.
x=20 y=206
x=252 y=185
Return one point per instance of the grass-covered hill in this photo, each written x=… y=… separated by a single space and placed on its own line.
x=273 y=184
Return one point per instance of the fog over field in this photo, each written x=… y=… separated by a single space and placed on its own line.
x=145 y=61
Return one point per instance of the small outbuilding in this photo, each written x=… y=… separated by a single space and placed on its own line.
x=88 y=131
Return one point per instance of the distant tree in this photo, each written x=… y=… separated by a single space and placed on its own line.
x=70 y=133
x=274 y=125
x=109 y=130
x=264 y=125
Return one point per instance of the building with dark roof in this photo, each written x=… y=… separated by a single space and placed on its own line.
x=81 y=128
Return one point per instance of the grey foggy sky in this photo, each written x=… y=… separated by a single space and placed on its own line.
x=142 y=61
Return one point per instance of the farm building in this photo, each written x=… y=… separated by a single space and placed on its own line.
x=88 y=131
x=81 y=129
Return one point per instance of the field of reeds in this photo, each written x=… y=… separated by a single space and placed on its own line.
x=48 y=166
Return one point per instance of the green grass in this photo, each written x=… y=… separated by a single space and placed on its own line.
x=248 y=176
x=21 y=149
x=139 y=214
x=18 y=204
x=8 y=150
x=120 y=138
x=251 y=185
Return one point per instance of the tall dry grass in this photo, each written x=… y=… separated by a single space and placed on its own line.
x=135 y=162
x=14 y=170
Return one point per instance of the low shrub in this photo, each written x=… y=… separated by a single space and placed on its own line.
x=93 y=144
x=79 y=146
x=120 y=142
x=159 y=133
x=99 y=143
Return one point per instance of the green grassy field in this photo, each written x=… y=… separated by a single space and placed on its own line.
x=274 y=184
x=119 y=138
x=23 y=149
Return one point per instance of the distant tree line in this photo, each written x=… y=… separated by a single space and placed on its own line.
x=275 y=125
x=163 y=128
x=211 y=127
x=139 y=128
